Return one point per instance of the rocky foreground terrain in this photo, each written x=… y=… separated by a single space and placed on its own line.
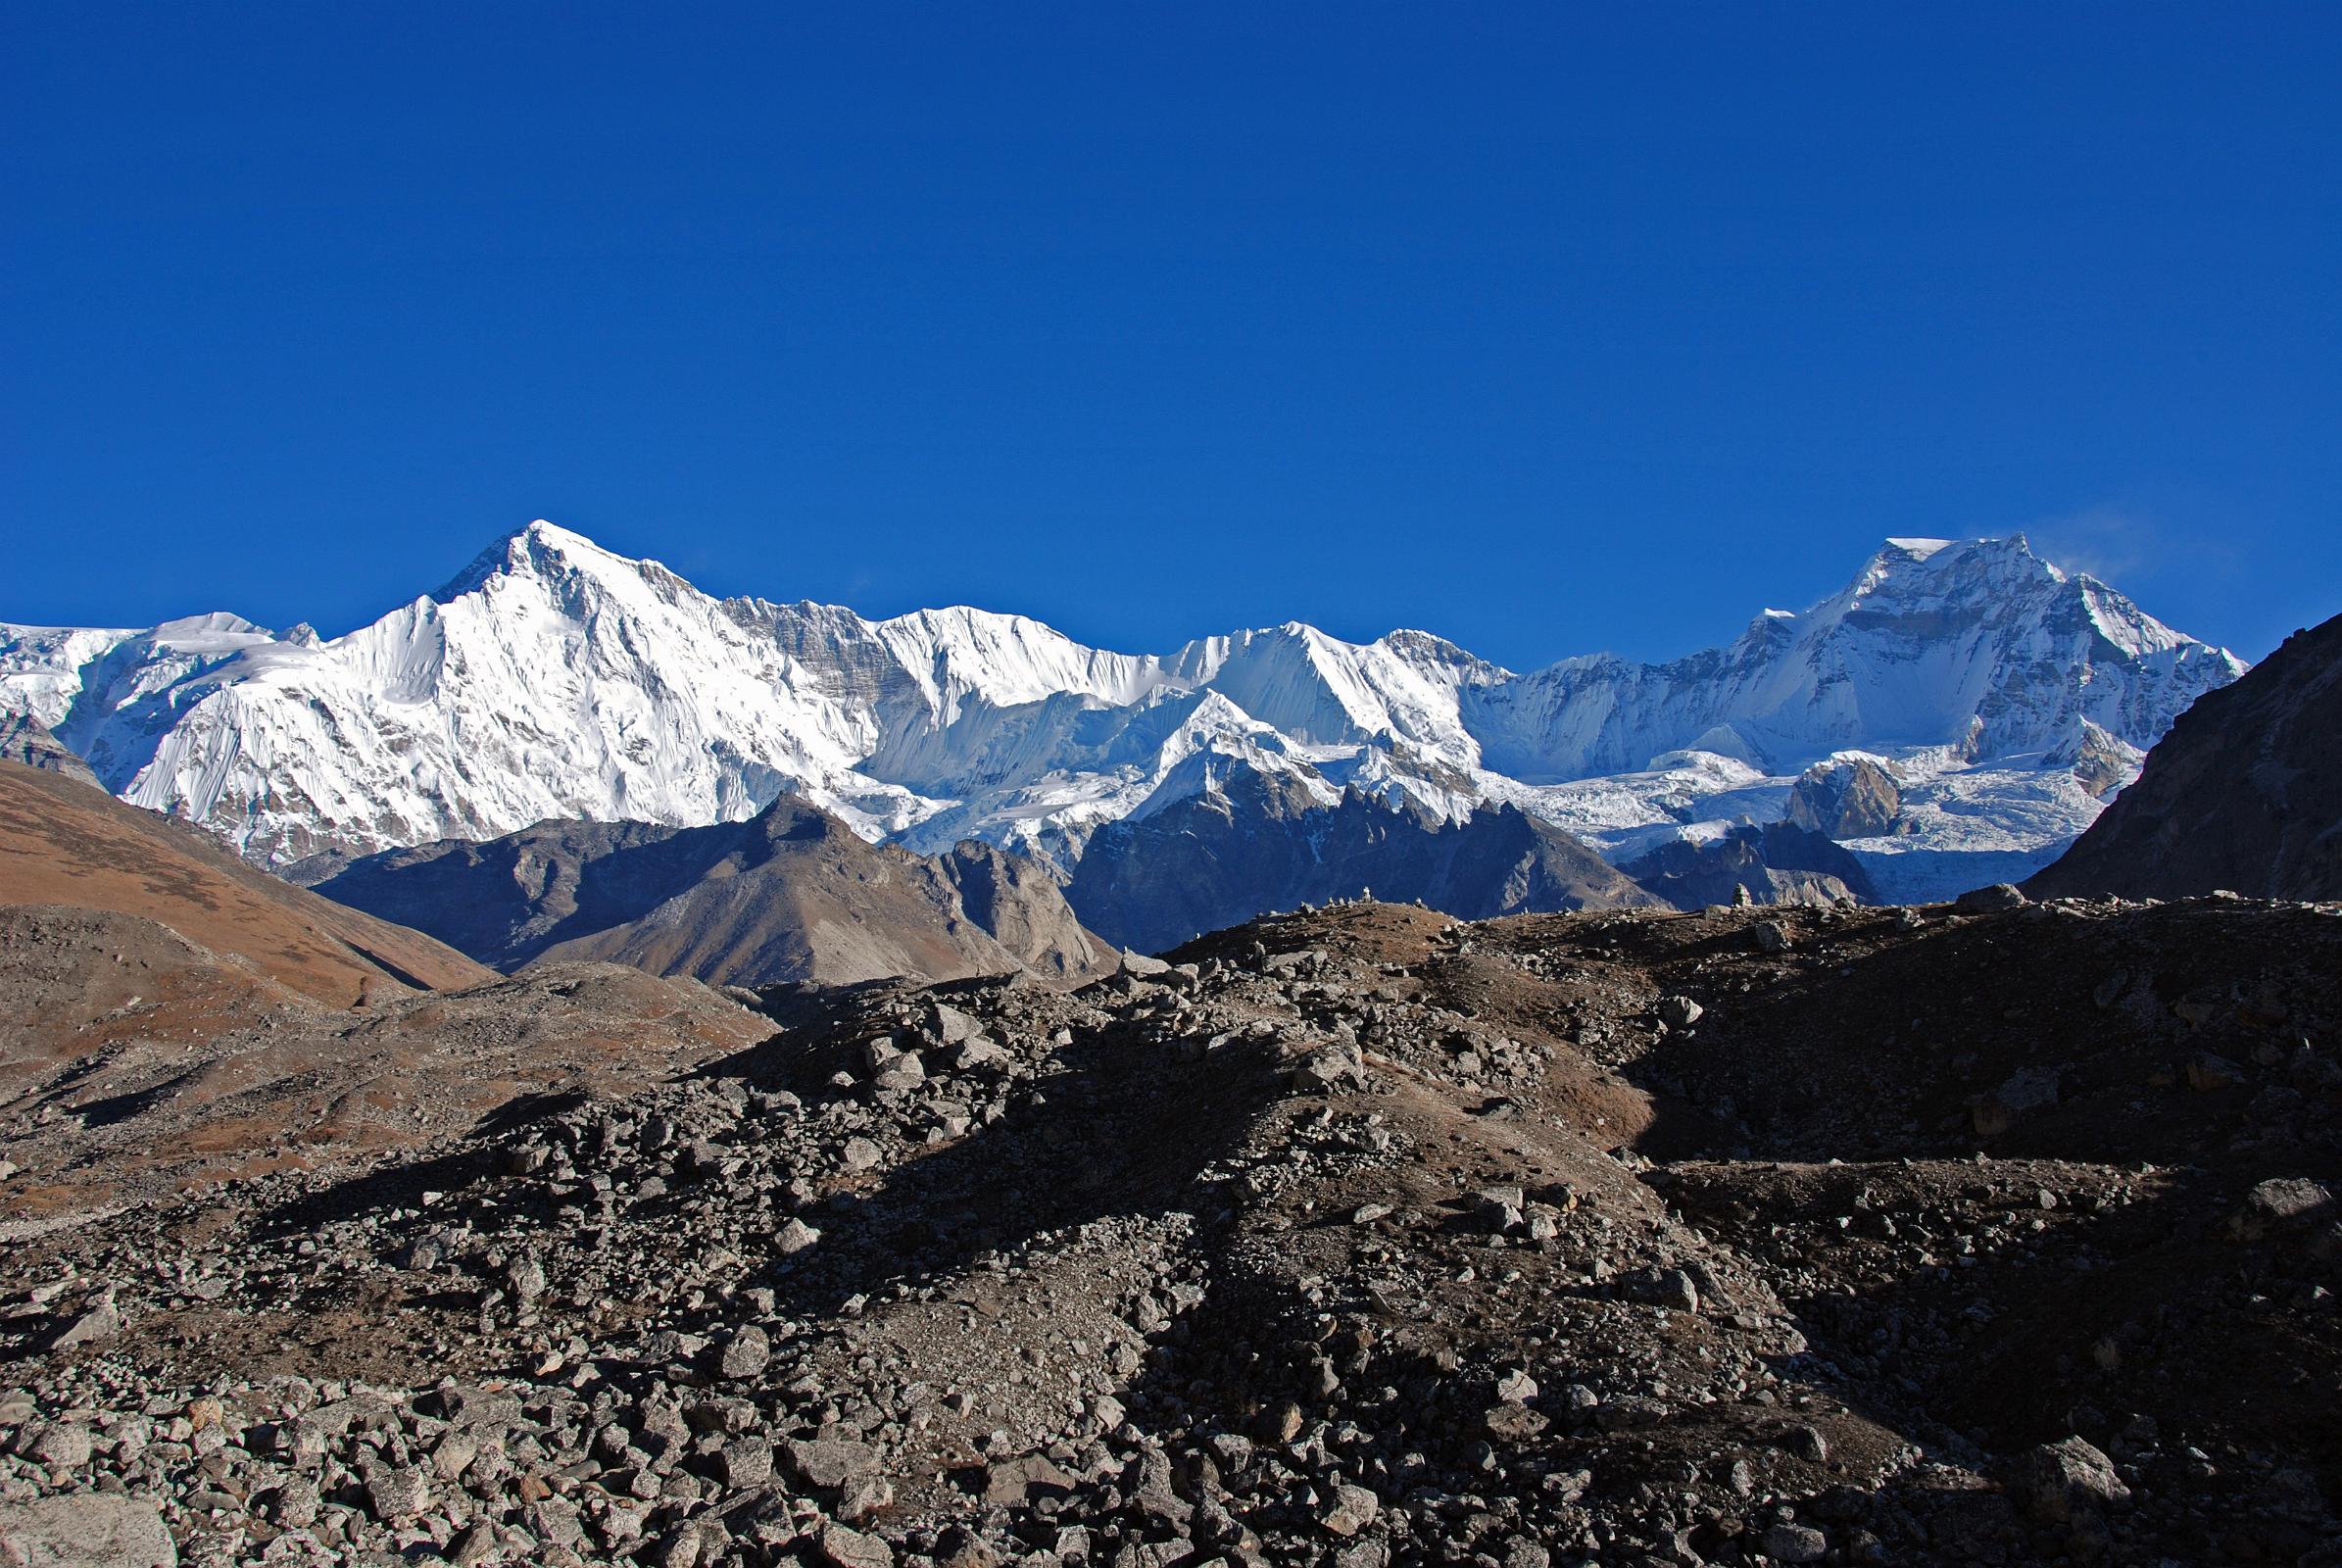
x=1997 y=1234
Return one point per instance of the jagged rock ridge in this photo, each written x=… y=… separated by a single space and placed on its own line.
x=24 y=739
x=1846 y=798
x=1777 y=863
x=792 y=893
x=1256 y=842
x=2244 y=794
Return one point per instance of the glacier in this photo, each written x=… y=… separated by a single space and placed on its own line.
x=554 y=678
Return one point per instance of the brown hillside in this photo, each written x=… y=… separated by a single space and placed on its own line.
x=65 y=843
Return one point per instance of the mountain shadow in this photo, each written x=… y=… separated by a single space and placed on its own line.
x=1258 y=843
x=2245 y=793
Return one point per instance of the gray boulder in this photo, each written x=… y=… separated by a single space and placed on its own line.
x=85 y=1531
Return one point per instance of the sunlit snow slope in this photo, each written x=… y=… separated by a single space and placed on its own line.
x=553 y=678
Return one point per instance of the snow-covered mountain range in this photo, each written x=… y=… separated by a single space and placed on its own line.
x=554 y=678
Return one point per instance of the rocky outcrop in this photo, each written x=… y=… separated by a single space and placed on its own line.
x=792 y=893
x=2103 y=764
x=2244 y=794
x=1846 y=798
x=1257 y=841
x=1775 y=864
x=1019 y=905
x=86 y=1532
x=23 y=739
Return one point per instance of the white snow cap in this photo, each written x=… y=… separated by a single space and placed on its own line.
x=554 y=678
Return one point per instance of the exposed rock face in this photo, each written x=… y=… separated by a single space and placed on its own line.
x=792 y=893
x=1775 y=864
x=89 y=1532
x=1846 y=798
x=1020 y=906
x=63 y=842
x=2103 y=764
x=506 y=900
x=1260 y=840
x=24 y=739
x=2244 y=794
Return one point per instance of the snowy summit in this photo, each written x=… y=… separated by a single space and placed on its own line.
x=554 y=678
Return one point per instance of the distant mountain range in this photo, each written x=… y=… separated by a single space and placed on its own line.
x=1266 y=841
x=1994 y=698
x=792 y=893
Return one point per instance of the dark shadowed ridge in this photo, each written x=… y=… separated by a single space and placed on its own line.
x=2244 y=794
x=1260 y=843
x=792 y=893
x=1775 y=863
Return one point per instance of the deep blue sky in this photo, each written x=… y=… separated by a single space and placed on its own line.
x=1546 y=327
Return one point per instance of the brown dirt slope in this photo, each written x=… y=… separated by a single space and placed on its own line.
x=134 y=1063
x=63 y=843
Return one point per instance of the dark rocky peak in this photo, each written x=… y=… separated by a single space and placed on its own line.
x=1846 y=798
x=2244 y=794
